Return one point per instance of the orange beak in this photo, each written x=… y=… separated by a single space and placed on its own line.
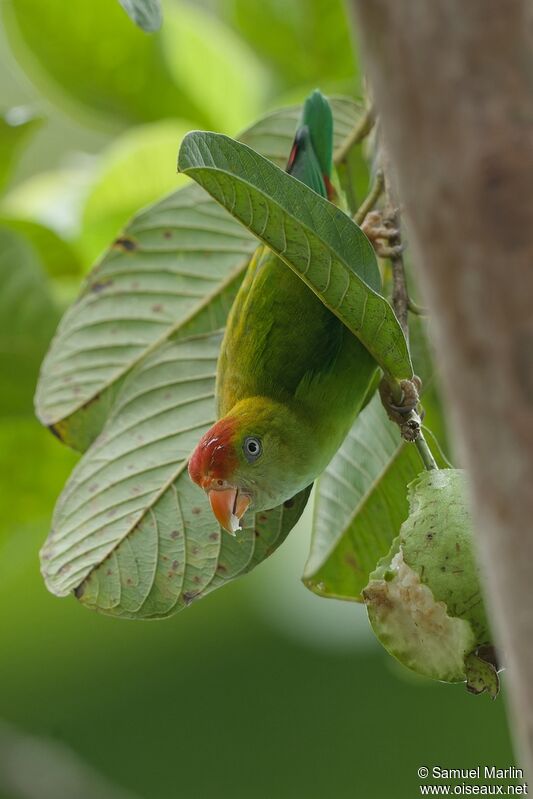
x=229 y=506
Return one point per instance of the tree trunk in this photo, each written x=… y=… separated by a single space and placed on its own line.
x=453 y=86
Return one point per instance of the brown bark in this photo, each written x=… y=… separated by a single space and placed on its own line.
x=453 y=86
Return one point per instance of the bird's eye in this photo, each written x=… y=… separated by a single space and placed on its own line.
x=252 y=448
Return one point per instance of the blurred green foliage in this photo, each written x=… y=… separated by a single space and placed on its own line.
x=133 y=172
x=15 y=125
x=304 y=43
x=94 y=60
x=262 y=689
x=28 y=317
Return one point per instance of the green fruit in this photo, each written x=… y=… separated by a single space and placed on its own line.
x=424 y=599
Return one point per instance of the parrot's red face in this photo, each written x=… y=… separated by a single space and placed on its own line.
x=257 y=456
x=212 y=467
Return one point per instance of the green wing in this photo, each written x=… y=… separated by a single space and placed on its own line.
x=281 y=341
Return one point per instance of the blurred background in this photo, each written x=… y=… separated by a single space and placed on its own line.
x=261 y=690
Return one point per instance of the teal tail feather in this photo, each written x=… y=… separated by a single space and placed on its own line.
x=311 y=158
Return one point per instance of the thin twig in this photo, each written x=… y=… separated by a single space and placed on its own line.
x=360 y=132
x=438 y=447
x=349 y=187
x=400 y=297
x=371 y=199
x=425 y=453
x=416 y=309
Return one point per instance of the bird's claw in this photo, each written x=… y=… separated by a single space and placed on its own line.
x=382 y=231
x=405 y=414
x=403 y=410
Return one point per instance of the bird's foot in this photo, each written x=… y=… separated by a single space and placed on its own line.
x=382 y=231
x=405 y=411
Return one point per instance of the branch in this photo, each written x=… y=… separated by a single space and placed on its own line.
x=371 y=199
x=360 y=132
x=400 y=297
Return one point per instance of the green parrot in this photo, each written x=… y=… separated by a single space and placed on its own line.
x=291 y=377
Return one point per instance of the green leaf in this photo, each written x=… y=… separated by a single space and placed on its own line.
x=145 y=13
x=28 y=316
x=132 y=535
x=360 y=504
x=175 y=270
x=317 y=240
x=15 y=126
